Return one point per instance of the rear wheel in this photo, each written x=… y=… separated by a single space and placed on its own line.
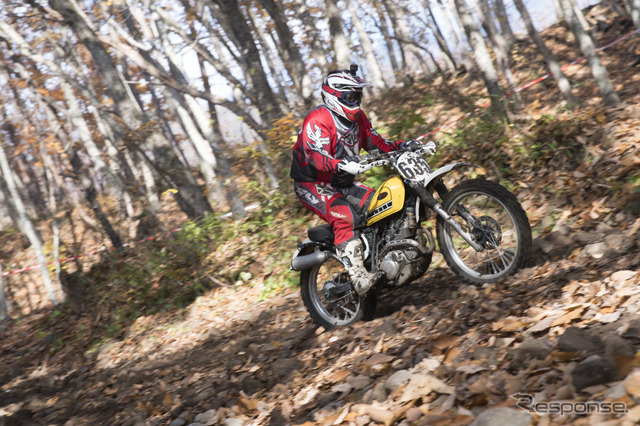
x=330 y=298
x=496 y=221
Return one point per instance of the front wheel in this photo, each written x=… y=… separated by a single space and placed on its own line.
x=496 y=221
x=330 y=298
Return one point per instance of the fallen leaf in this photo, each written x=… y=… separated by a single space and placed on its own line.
x=569 y=317
x=339 y=376
x=167 y=401
x=378 y=359
x=632 y=384
x=421 y=385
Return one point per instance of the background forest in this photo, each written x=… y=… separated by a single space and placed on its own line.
x=131 y=128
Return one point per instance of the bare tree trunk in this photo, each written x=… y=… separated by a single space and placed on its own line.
x=578 y=14
x=400 y=35
x=373 y=66
x=503 y=21
x=440 y=39
x=189 y=196
x=407 y=48
x=30 y=182
x=620 y=10
x=588 y=49
x=78 y=122
x=483 y=59
x=266 y=102
x=388 y=35
x=4 y=311
x=291 y=53
x=16 y=205
x=563 y=82
x=190 y=113
x=87 y=184
x=500 y=47
x=558 y=8
x=342 y=58
x=315 y=43
x=467 y=61
x=279 y=75
x=224 y=168
x=633 y=6
x=53 y=207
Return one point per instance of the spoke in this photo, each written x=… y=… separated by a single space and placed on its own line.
x=351 y=313
x=507 y=256
x=494 y=266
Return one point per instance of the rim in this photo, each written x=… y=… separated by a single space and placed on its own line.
x=495 y=229
x=333 y=295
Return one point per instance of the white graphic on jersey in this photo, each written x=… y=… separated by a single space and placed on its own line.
x=315 y=136
x=350 y=138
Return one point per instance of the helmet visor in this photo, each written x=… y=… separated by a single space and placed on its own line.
x=351 y=98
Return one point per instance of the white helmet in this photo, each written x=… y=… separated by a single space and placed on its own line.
x=342 y=92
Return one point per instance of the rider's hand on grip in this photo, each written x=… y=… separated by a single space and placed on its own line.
x=412 y=145
x=430 y=147
x=352 y=167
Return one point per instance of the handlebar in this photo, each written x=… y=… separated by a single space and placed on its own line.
x=377 y=158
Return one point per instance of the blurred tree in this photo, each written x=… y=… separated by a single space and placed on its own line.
x=588 y=49
x=563 y=83
x=483 y=59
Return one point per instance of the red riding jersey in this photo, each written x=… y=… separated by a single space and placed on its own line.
x=319 y=185
x=323 y=142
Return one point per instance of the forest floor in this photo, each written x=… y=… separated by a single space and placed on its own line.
x=563 y=330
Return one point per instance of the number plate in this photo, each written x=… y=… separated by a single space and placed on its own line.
x=412 y=167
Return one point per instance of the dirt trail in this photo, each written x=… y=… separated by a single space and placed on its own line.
x=229 y=361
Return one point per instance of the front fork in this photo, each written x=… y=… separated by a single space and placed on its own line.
x=427 y=199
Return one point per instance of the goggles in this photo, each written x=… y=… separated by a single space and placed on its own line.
x=351 y=98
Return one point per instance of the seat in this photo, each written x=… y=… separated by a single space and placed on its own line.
x=321 y=234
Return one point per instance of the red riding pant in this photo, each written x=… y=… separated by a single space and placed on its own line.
x=331 y=205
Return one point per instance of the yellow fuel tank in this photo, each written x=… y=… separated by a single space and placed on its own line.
x=387 y=200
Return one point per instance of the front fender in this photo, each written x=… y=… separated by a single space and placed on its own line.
x=438 y=173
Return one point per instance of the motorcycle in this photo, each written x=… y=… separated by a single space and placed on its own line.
x=481 y=230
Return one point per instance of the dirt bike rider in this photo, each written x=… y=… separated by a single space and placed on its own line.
x=325 y=164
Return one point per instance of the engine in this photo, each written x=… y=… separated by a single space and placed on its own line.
x=404 y=256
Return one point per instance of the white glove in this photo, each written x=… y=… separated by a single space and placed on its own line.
x=352 y=167
x=430 y=147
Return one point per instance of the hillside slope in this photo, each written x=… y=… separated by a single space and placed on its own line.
x=438 y=352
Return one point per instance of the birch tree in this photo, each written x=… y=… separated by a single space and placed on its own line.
x=4 y=311
x=341 y=48
x=189 y=196
x=633 y=7
x=588 y=49
x=54 y=122
x=563 y=82
x=440 y=39
x=291 y=55
x=482 y=57
x=501 y=46
x=503 y=21
x=311 y=35
x=373 y=66
x=19 y=214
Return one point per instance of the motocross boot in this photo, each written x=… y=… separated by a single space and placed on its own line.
x=351 y=253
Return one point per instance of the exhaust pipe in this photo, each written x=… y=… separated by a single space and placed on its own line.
x=300 y=263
